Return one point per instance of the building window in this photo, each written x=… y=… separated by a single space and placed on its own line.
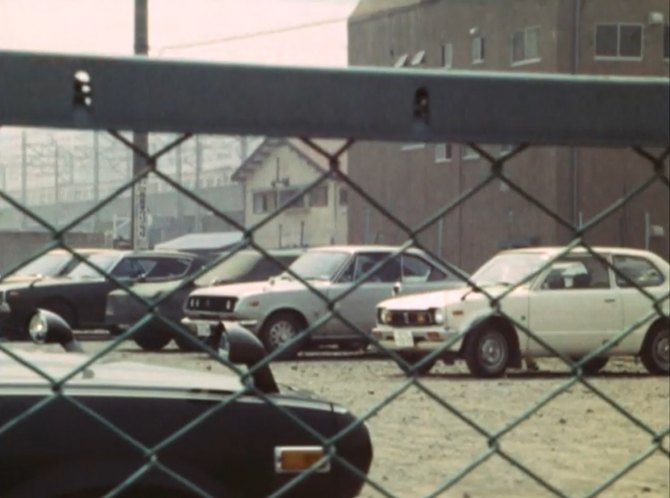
x=478 y=49
x=287 y=197
x=318 y=197
x=506 y=149
x=469 y=153
x=412 y=146
x=419 y=58
x=448 y=55
x=442 y=153
x=401 y=61
x=526 y=45
x=666 y=41
x=618 y=41
x=264 y=202
x=344 y=197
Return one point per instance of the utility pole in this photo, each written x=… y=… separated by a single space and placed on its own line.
x=24 y=176
x=180 y=201
x=56 y=172
x=138 y=220
x=198 y=169
x=96 y=177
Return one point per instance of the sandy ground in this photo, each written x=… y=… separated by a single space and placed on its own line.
x=575 y=442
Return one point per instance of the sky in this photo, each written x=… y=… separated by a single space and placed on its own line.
x=283 y=32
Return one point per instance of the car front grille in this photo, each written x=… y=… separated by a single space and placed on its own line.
x=214 y=304
x=410 y=318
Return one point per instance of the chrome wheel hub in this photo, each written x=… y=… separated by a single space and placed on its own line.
x=281 y=333
x=661 y=350
x=492 y=350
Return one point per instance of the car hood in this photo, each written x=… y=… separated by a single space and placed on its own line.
x=253 y=288
x=439 y=299
x=131 y=376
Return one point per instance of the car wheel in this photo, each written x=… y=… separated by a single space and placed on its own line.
x=656 y=351
x=413 y=358
x=187 y=345
x=62 y=309
x=152 y=338
x=487 y=353
x=594 y=365
x=278 y=331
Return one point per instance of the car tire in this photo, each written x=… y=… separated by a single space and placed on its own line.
x=62 y=309
x=655 y=354
x=487 y=352
x=595 y=365
x=152 y=338
x=186 y=345
x=413 y=358
x=278 y=330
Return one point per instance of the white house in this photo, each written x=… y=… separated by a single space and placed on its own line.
x=280 y=175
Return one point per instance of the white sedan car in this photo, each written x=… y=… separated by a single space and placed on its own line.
x=356 y=277
x=539 y=302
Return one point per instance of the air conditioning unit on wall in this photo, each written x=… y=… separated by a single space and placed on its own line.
x=655 y=18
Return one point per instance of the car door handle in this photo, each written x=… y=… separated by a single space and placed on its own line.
x=610 y=300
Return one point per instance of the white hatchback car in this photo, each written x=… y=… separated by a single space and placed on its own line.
x=570 y=304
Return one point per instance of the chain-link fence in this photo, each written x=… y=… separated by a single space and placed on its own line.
x=428 y=210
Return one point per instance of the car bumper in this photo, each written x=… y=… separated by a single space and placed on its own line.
x=418 y=339
x=202 y=327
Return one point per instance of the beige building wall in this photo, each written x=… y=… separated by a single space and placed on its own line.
x=414 y=183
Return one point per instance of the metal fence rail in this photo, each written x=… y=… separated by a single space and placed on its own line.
x=354 y=104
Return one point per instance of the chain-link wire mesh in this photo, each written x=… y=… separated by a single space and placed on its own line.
x=489 y=441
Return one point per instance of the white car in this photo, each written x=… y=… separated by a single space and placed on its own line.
x=356 y=278
x=573 y=304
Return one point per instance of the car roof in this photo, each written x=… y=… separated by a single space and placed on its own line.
x=552 y=250
x=82 y=250
x=364 y=248
x=163 y=253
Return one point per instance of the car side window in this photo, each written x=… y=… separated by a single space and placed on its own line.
x=263 y=269
x=127 y=268
x=415 y=269
x=639 y=271
x=165 y=267
x=363 y=263
x=577 y=273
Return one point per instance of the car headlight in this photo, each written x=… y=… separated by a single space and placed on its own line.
x=383 y=316
x=438 y=315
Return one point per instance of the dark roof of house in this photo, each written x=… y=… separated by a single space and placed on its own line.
x=206 y=241
x=312 y=157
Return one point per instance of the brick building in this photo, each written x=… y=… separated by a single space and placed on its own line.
x=412 y=181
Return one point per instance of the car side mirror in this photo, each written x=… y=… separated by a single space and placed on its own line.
x=396 y=289
x=240 y=346
x=48 y=327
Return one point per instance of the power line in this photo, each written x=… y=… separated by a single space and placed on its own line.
x=244 y=36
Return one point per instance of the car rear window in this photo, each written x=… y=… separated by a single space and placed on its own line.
x=636 y=271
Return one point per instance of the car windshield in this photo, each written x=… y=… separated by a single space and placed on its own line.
x=507 y=269
x=46 y=265
x=232 y=269
x=105 y=261
x=319 y=265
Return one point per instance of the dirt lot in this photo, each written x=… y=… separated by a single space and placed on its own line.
x=575 y=443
